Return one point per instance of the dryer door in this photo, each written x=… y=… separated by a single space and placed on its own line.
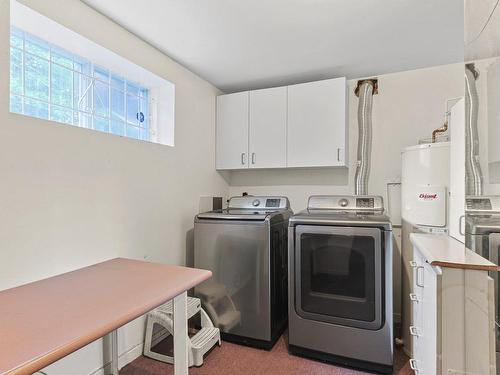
x=339 y=275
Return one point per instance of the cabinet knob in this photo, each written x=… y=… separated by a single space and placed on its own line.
x=414 y=331
x=413 y=365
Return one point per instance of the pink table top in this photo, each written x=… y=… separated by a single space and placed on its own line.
x=46 y=320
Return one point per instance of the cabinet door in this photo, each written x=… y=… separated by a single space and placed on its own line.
x=457 y=169
x=317 y=132
x=429 y=332
x=267 y=146
x=232 y=131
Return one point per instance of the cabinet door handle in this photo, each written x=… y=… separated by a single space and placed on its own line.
x=414 y=297
x=242 y=158
x=253 y=157
x=414 y=331
x=419 y=282
x=460 y=220
x=338 y=154
x=413 y=365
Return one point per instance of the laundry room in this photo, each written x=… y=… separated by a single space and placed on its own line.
x=250 y=187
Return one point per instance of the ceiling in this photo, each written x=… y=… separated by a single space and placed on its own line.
x=482 y=29
x=248 y=44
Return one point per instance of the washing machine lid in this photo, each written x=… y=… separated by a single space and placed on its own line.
x=236 y=214
x=249 y=207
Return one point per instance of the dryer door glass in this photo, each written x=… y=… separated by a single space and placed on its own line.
x=339 y=275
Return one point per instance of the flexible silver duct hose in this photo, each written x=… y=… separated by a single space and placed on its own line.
x=473 y=173
x=364 y=138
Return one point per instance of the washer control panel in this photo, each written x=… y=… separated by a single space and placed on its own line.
x=259 y=202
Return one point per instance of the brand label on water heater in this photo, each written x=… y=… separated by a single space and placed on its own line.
x=428 y=196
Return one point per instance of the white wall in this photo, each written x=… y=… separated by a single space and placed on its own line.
x=409 y=106
x=70 y=197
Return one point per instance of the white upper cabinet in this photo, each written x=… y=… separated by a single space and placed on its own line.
x=317 y=132
x=232 y=131
x=293 y=126
x=267 y=143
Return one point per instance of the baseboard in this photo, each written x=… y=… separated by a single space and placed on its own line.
x=123 y=360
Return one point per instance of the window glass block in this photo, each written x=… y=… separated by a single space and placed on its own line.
x=36 y=72
x=49 y=82
x=132 y=109
x=82 y=119
x=82 y=92
x=117 y=83
x=132 y=88
x=101 y=73
x=61 y=114
x=16 y=71
x=61 y=57
x=61 y=89
x=16 y=38
x=117 y=127
x=16 y=104
x=133 y=132
x=36 y=46
x=145 y=135
x=101 y=124
x=36 y=108
x=101 y=99
x=118 y=104
x=82 y=66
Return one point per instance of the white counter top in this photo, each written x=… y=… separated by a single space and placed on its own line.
x=445 y=251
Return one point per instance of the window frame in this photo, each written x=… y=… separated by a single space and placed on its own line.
x=94 y=76
x=162 y=91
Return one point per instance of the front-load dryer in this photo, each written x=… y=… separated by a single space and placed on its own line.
x=340 y=282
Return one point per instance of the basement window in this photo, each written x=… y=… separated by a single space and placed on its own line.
x=58 y=75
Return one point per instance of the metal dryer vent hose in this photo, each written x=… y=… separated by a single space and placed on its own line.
x=365 y=90
x=473 y=173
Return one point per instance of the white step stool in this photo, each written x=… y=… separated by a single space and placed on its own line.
x=198 y=345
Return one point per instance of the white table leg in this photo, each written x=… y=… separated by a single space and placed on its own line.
x=181 y=356
x=114 y=351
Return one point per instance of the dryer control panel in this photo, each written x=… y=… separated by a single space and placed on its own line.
x=346 y=203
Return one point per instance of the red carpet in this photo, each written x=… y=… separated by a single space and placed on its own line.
x=232 y=359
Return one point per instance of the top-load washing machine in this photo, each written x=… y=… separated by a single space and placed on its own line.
x=482 y=235
x=245 y=247
x=340 y=282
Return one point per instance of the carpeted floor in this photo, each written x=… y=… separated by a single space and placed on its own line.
x=232 y=359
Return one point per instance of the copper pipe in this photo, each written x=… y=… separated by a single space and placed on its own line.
x=442 y=129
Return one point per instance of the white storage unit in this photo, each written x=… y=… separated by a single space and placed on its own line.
x=453 y=308
x=302 y=125
x=232 y=131
x=267 y=128
x=317 y=131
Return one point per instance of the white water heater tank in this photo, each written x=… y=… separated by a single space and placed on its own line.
x=424 y=184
